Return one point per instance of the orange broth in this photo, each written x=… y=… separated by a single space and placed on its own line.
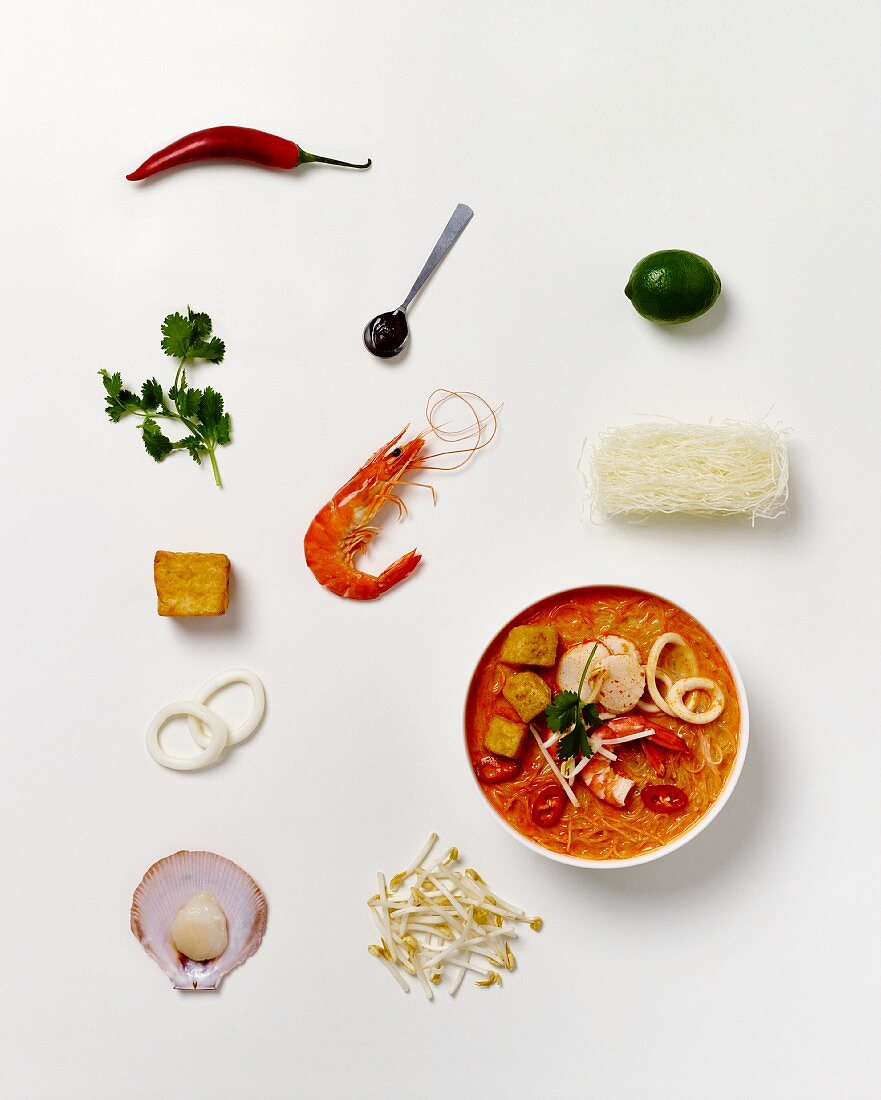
x=597 y=830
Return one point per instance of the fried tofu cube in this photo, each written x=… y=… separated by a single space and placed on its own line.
x=504 y=738
x=191 y=584
x=527 y=693
x=531 y=645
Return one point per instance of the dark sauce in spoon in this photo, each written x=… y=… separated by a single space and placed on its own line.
x=387 y=334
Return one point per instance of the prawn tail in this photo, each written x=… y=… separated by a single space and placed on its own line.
x=398 y=571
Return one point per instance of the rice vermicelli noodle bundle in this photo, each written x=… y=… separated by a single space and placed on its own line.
x=699 y=469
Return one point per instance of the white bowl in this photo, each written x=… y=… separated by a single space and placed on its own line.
x=701 y=824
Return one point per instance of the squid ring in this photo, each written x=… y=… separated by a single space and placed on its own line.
x=244 y=729
x=651 y=670
x=696 y=683
x=216 y=743
x=651 y=708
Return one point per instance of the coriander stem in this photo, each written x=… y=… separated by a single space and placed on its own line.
x=169 y=416
x=213 y=461
x=155 y=415
x=177 y=400
x=586 y=667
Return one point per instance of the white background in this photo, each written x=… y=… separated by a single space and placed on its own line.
x=584 y=135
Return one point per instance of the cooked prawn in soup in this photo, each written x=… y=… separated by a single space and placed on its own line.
x=603 y=723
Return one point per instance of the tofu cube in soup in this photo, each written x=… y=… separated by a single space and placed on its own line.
x=191 y=584
x=531 y=645
x=527 y=693
x=504 y=738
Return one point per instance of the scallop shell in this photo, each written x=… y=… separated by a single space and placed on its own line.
x=171 y=882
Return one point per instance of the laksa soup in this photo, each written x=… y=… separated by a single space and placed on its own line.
x=603 y=723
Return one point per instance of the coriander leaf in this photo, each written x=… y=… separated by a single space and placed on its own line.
x=200 y=324
x=112 y=382
x=185 y=338
x=562 y=711
x=151 y=395
x=212 y=350
x=569 y=743
x=210 y=408
x=189 y=402
x=120 y=402
x=177 y=332
x=194 y=445
x=575 y=740
x=223 y=430
x=157 y=444
x=591 y=716
x=564 y=714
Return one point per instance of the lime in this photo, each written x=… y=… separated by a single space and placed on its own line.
x=673 y=286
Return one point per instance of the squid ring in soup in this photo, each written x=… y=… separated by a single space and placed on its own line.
x=651 y=668
x=696 y=683
x=660 y=677
x=605 y=812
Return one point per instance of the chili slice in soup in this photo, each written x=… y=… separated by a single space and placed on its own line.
x=496 y=769
x=664 y=798
x=694 y=758
x=548 y=805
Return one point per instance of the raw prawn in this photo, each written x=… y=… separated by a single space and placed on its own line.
x=343 y=528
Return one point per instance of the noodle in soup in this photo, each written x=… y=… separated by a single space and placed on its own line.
x=520 y=786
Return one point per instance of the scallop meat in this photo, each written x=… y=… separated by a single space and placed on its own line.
x=199 y=916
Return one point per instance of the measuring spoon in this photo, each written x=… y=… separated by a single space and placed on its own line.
x=387 y=334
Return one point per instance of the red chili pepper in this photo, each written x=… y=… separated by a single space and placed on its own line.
x=503 y=708
x=664 y=799
x=495 y=769
x=547 y=806
x=232 y=143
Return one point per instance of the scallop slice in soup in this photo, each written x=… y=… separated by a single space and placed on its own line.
x=616 y=644
x=571 y=667
x=623 y=684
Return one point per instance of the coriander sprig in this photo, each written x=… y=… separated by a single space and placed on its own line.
x=579 y=720
x=201 y=412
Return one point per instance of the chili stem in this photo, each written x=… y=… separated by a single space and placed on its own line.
x=306 y=158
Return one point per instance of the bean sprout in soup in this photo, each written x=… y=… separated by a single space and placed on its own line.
x=603 y=723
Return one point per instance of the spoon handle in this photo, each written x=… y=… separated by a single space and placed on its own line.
x=462 y=215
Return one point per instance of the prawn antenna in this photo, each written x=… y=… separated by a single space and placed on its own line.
x=481 y=430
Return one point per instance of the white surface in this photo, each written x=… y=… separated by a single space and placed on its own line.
x=584 y=135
